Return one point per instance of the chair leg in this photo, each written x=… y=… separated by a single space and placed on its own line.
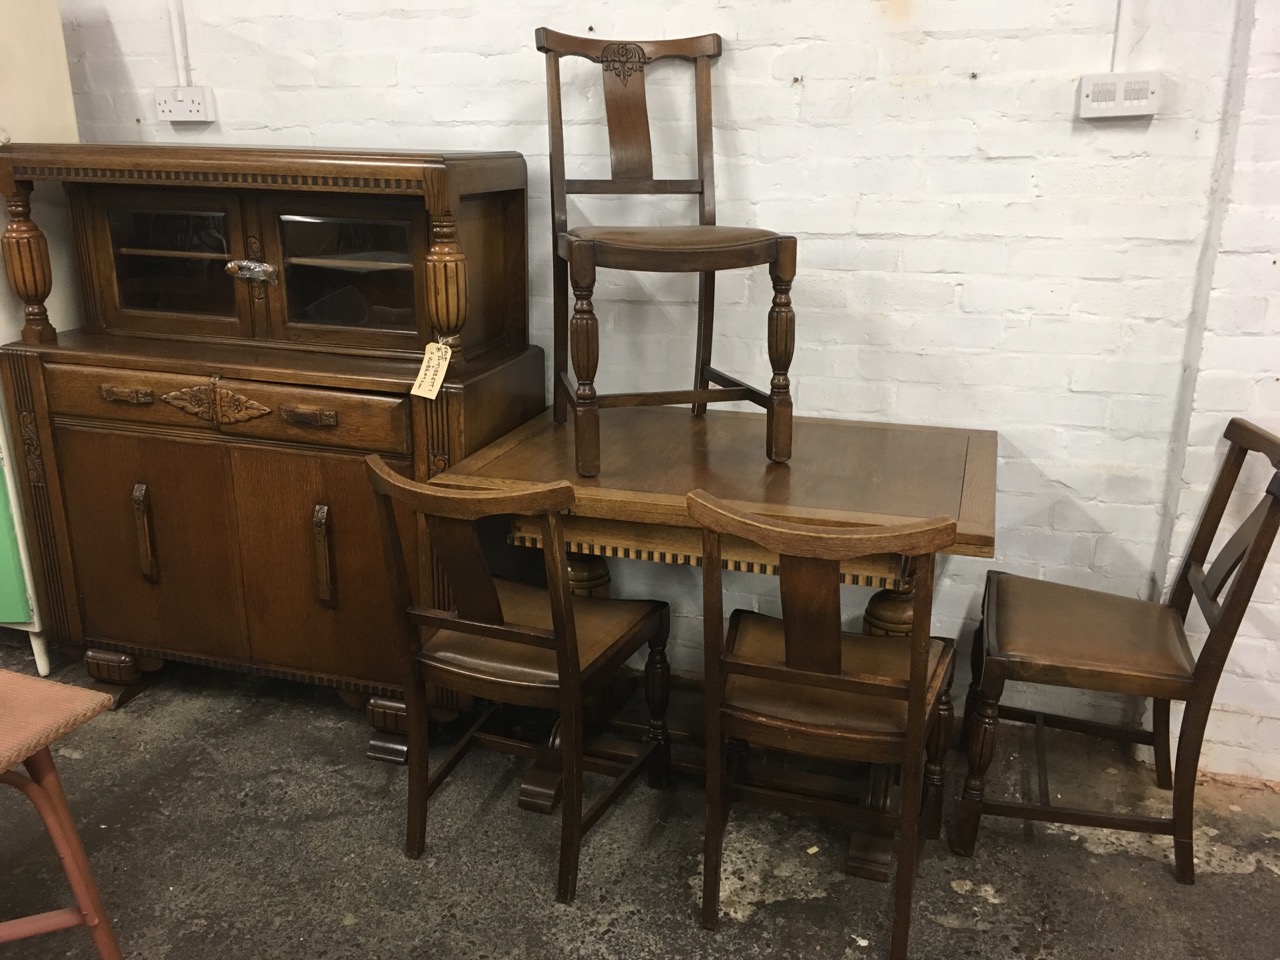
x=46 y=794
x=415 y=838
x=717 y=815
x=782 y=345
x=584 y=350
x=977 y=654
x=1160 y=731
x=706 y=327
x=570 y=806
x=904 y=876
x=1190 y=739
x=982 y=749
x=935 y=785
x=657 y=693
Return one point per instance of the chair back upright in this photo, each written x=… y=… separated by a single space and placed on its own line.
x=809 y=589
x=1223 y=590
x=623 y=65
x=450 y=517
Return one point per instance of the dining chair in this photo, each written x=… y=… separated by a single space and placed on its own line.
x=511 y=643
x=34 y=714
x=802 y=685
x=1040 y=632
x=702 y=248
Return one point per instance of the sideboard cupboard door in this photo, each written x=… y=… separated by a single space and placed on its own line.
x=153 y=539
x=317 y=591
x=159 y=262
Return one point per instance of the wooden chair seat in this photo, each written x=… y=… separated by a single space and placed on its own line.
x=603 y=626
x=616 y=247
x=832 y=713
x=34 y=714
x=1064 y=635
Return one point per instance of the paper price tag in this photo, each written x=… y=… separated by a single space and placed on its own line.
x=435 y=363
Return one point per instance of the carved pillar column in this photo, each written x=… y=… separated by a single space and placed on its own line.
x=447 y=282
x=26 y=261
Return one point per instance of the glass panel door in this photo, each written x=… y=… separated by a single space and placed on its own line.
x=172 y=261
x=349 y=270
x=168 y=255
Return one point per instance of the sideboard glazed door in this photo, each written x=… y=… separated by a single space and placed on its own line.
x=350 y=270
x=160 y=262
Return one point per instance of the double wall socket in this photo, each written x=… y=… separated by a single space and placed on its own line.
x=184 y=104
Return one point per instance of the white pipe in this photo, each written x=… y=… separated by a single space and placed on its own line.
x=178 y=24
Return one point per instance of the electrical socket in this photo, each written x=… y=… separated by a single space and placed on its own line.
x=184 y=104
x=1103 y=95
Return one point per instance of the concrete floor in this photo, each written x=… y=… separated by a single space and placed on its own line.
x=229 y=816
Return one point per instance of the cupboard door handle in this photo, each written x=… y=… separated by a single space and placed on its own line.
x=253 y=270
x=136 y=396
x=323 y=545
x=146 y=544
x=312 y=418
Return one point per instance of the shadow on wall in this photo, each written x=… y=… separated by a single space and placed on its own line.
x=100 y=82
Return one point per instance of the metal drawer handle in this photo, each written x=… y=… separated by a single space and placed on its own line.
x=253 y=270
x=312 y=418
x=136 y=396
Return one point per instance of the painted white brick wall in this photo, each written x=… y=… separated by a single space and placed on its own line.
x=969 y=254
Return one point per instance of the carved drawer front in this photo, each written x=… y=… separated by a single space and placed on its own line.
x=138 y=396
x=331 y=418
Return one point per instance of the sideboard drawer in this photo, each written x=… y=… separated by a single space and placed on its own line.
x=138 y=396
x=332 y=418
x=368 y=422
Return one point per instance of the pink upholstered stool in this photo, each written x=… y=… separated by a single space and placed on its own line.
x=33 y=714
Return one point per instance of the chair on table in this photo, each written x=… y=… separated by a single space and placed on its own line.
x=703 y=248
x=1064 y=636
x=34 y=713
x=517 y=644
x=802 y=686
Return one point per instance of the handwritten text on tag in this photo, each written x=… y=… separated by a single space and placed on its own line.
x=435 y=363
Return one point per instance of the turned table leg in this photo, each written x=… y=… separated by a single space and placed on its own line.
x=889 y=613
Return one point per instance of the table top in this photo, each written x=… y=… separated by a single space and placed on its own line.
x=842 y=472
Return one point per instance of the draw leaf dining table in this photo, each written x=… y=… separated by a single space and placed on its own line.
x=841 y=473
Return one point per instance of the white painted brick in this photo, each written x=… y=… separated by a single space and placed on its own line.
x=1141 y=417
x=1250 y=229
x=951 y=256
x=904 y=217
x=1243 y=354
x=1015 y=295
x=1061 y=335
x=1237 y=313
x=1111 y=376
x=1170 y=298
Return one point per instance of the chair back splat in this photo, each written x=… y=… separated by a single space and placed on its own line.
x=803 y=686
x=513 y=643
x=703 y=248
x=1041 y=632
